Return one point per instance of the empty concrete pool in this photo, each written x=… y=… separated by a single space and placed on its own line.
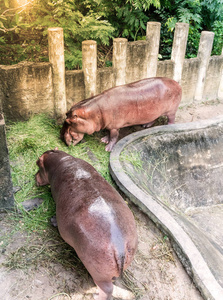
x=174 y=174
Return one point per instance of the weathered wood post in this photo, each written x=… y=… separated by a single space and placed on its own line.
x=56 y=58
x=220 y=89
x=89 y=66
x=204 y=53
x=6 y=188
x=179 y=49
x=153 y=37
x=119 y=60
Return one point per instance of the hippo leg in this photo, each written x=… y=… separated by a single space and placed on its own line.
x=105 y=289
x=171 y=118
x=113 y=139
x=147 y=125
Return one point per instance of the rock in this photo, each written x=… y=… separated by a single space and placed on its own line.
x=32 y=203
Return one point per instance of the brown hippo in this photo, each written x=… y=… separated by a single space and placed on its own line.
x=91 y=217
x=141 y=102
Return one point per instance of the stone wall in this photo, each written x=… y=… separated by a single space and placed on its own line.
x=6 y=190
x=30 y=88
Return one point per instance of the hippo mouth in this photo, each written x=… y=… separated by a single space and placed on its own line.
x=69 y=136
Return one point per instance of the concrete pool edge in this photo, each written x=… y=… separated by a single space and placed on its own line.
x=188 y=253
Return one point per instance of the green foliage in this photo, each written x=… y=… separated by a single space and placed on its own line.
x=130 y=23
x=218 y=38
x=200 y=15
x=127 y=17
x=212 y=13
x=144 y=4
x=23 y=29
x=99 y=20
x=79 y=22
x=187 y=11
x=212 y=10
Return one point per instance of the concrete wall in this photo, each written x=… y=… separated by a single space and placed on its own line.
x=28 y=88
x=213 y=78
x=6 y=191
x=136 y=61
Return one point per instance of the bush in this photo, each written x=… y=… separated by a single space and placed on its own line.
x=23 y=30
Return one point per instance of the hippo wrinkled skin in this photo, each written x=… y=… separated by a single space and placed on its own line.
x=91 y=216
x=141 y=102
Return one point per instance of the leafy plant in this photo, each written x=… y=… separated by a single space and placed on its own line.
x=212 y=12
x=79 y=22
x=218 y=38
x=23 y=28
x=200 y=15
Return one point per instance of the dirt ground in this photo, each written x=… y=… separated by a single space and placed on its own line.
x=36 y=266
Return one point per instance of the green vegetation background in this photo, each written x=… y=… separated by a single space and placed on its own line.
x=24 y=24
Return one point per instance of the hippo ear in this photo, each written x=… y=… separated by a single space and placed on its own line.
x=39 y=162
x=72 y=119
x=55 y=149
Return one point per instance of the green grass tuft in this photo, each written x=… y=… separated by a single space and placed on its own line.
x=27 y=141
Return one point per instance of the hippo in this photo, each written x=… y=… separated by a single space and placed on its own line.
x=91 y=216
x=138 y=103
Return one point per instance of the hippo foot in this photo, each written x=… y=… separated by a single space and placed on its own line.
x=105 y=290
x=53 y=221
x=109 y=147
x=105 y=139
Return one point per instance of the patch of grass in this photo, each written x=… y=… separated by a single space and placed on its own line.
x=211 y=102
x=131 y=283
x=133 y=158
x=42 y=251
x=27 y=141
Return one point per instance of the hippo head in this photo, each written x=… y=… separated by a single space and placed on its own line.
x=41 y=176
x=69 y=135
x=43 y=163
x=73 y=127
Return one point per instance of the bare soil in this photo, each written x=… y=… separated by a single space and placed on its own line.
x=40 y=266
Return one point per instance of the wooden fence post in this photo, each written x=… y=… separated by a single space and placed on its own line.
x=204 y=53
x=153 y=37
x=179 y=49
x=89 y=66
x=56 y=58
x=119 y=60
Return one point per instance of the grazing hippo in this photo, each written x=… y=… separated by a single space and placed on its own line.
x=91 y=217
x=141 y=102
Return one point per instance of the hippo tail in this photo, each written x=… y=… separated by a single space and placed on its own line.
x=120 y=261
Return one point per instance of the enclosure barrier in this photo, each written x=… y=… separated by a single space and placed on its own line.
x=28 y=88
x=56 y=58
x=6 y=189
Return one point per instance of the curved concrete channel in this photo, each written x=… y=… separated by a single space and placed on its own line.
x=174 y=174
